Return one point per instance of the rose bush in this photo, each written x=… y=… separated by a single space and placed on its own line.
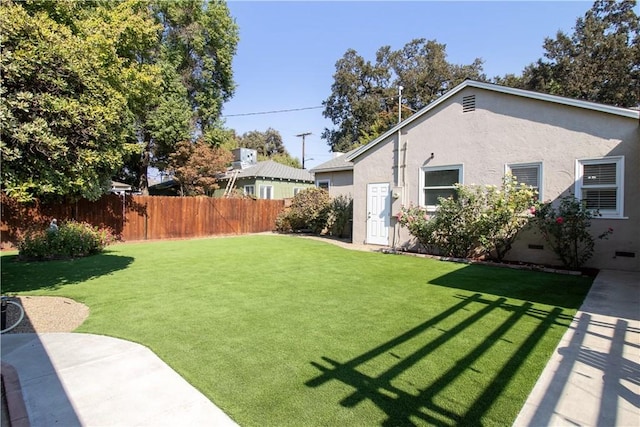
x=566 y=230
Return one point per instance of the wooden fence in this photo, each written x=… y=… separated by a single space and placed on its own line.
x=145 y=217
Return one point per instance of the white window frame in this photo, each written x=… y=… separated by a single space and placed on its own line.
x=424 y=169
x=264 y=189
x=296 y=190
x=249 y=193
x=324 y=181
x=619 y=185
x=508 y=169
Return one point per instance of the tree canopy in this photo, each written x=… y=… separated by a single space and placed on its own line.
x=196 y=167
x=66 y=125
x=269 y=146
x=599 y=62
x=194 y=50
x=364 y=95
x=93 y=90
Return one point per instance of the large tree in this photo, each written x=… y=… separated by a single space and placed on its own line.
x=90 y=87
x=269 y=146
x=599 y=62
x=197 y=43
x=360 y=92
x=422 y=69
x=65 y=110
x=364 y=96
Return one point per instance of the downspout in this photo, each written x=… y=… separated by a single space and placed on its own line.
x=404 y=171
x=398 y=165
x=399 y=135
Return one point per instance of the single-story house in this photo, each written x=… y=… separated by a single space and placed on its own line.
x=476 y=133
x=335 y=175
x=263 y=180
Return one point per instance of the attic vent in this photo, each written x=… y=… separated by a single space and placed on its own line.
x=468 y=103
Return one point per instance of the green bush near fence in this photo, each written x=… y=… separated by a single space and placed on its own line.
x=309 y=209
x=314 y=210
x=71 y=240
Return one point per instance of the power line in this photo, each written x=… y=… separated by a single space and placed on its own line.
x=273 y=111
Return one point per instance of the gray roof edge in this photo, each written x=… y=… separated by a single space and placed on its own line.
x=624 y=112
x=269 y=169
x=604 y=108
x=334 y=169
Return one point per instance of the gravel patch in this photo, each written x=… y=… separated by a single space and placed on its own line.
x=46 y=314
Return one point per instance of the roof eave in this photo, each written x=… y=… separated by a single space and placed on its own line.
x=334 y=169
x=624 y=112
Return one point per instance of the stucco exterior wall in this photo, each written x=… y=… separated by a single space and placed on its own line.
x=340 y=182
x=504 y=129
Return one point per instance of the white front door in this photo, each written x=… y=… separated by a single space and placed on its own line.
x=378 y=213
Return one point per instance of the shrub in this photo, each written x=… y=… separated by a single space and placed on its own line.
x=565 y=228
x=340 y=214
x=478 y=220
x=418 y=222
x=310 y=209
x=456 y=227
x=506 y=212
x=72 y=240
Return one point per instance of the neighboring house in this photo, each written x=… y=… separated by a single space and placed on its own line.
x=335 y=175
x=263 y=180
x=170 y=187
x=478 y=131
x=120 y=188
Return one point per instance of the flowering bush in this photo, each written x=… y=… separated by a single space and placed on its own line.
x=72 y=240
x=478 y=220
x=505 y=212
x=417 y=221
x=456 y=226
x=565 y=228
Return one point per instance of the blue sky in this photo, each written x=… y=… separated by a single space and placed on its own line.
x=287 y=51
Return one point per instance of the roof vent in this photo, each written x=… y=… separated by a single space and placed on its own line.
x=468 y=103
x=244 y=157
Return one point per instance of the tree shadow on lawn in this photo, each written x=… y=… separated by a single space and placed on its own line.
x=554 y=289
x=493 y=290
x=18 y=276
x=405 y=407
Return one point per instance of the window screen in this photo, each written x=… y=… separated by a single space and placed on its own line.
x=599 y=185
x=599 y=174
x=528 y=175
x=440 y=183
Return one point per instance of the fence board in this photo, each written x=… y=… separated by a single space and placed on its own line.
x=145 y=217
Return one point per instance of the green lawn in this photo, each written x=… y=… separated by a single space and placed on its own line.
x=279 y=331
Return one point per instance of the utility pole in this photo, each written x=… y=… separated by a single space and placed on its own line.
x=303 y=135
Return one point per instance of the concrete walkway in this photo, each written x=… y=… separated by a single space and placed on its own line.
x=70 y=379
x=593 y=377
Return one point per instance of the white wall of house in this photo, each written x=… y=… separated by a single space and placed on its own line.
x=508 y=129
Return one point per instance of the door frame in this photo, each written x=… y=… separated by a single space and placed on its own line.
x=384 y=215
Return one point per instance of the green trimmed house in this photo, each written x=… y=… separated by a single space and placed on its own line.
x=262 y=180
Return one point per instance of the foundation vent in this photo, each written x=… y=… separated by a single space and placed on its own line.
x=625 y=254
x=468 y=103
x=538 y=247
